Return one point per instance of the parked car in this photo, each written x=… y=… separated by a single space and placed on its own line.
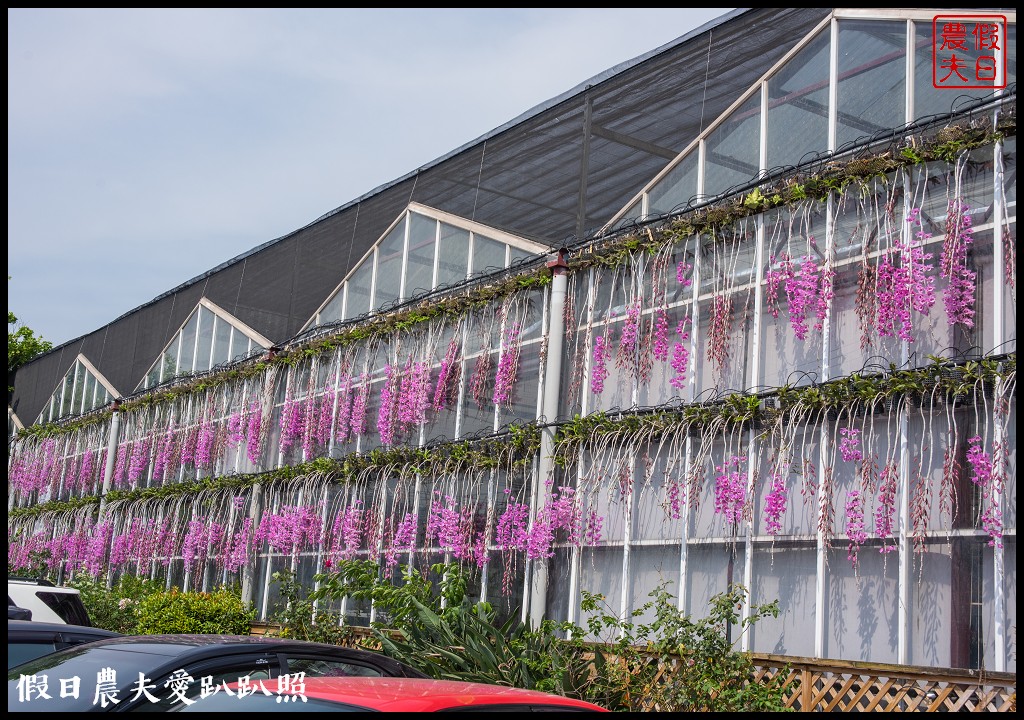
x=365 y=694
x=27 y=640
x=154 y=672
x=14 y=612
x=47 y=602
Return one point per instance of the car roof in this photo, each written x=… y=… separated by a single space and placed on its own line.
x=428 y=694
x=42 y=626
x=241 y=642
x=197 y=647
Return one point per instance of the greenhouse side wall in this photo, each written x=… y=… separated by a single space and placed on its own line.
x=808 y=390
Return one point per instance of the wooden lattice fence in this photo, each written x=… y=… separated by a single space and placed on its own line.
x=838 y=686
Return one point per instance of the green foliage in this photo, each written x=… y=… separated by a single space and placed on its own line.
x=207 y=613
x=465 y=642
x=115 y=608
x=22 y=344
x=396 y=603
x=710 y=675
x=438 y=630
x=446 y=636
x=299 y=616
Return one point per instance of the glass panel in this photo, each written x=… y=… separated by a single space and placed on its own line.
x=791 y=327
x=872 y=86
x=79 y=395
x=170 y=363
x=793 y=480
x=931 y=100
x=786 y=575
x=798 y=106
x=419 y=271
x=601 y=572
x=677 y=190
x=523 y=402
x=90 y=392
x=67 y=392
x=657 y=498
x=488 y=255
x=206 y=319
x=332 y=310
x=186 y=355
x=389 y=267
x=1010 y=474
x=732 y=150
x=631 y=215
x=477 y=404
x=453 y=255
x=222 y=342
x=651 y=567
x=710 y=569
x=516 y=255
x=359 y=290
x=1010 y=591
x=861 y=607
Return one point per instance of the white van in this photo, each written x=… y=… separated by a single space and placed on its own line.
x=48 y=602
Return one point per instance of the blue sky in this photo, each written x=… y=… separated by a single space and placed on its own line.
x=146 y=146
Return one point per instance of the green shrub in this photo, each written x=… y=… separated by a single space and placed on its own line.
x=207 y=613
x=671 y=664
x=114 y=608
x=300 y=618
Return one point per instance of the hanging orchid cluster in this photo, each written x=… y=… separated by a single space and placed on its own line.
x=984 y=478
x=808 y=289
x=645 y=337
x=731 y=490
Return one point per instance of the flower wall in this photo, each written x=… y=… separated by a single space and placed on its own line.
x=807 y=386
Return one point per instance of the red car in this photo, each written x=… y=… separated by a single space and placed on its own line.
x=293 y=693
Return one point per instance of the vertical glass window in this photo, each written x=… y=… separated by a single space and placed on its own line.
x=205 y=340
x=732 y=150
x=359 y=290
x=452 y=255
x=677 y=189
x=930 y=100
x=79 y=393
x=90 y=392
x=516 y=255
x=187 y=353
x=488 y=255
x=798 y=106
x=419 y=273
x=333 y=309
x=240 y=344
x=872 y=82
x=222 y=342
x=388 y=281
x=67 y=393
x=631 y=215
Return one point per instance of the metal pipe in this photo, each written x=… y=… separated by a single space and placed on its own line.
x=549 y=411
x=112 y=441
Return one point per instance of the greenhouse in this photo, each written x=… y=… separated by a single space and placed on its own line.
x=749 y=325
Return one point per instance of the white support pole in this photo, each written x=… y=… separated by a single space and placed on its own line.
x=113 y=438
x=108 y=471
x=549 y=411
x=999 y=438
